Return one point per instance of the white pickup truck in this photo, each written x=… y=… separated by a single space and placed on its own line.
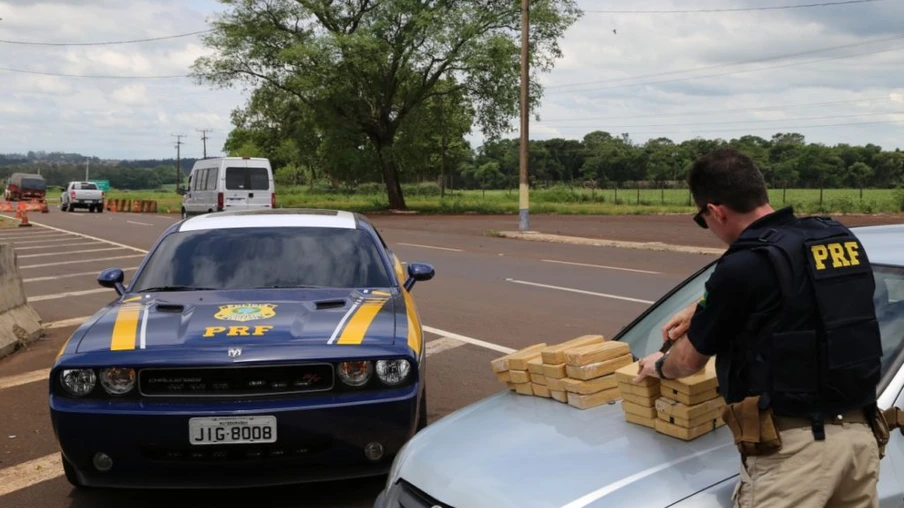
x=82 y=195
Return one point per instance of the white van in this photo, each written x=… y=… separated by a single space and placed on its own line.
x=228 y=183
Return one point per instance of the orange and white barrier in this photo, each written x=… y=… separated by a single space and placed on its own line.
x=136 y=206
x=22 y=208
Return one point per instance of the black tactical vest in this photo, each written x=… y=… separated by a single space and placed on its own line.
x=821 y=355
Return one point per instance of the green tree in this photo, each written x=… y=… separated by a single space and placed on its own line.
x=368 y=64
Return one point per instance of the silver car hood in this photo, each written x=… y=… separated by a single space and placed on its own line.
x=516 y=450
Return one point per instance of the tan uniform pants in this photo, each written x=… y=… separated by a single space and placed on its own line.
x=841 y=471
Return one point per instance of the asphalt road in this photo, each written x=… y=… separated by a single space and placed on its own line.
x=485 y=288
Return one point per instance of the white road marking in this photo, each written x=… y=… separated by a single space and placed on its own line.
x=57 y=296
x=69 y=252
x=67 y=322
x=600 y=266
x=30 y=473
x=82 y=274
x=430 y=247
x=581 y=291
x=469 y=340
x=26 y=235
x=87 y=236
x=24 y=379
x=434 y=346
x=56 y=239
x=80 y=261
x=66 y=246
x=139 y=223
x=624 y=482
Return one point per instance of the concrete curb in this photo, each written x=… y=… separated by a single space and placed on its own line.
x=620 y=244
x=20 y=325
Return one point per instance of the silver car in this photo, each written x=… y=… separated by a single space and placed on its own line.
x=523 y=451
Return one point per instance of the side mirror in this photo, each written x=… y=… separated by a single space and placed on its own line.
x=180 y=191
x=112 y=278
x=418 y=272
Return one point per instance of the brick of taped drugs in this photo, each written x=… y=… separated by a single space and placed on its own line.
x=639 y=399
x=640 y=420
x=638 y=410
x=504 y=363
x=595 y=353
x=556 y=371
x=689 y=423
x=590 y=386
x=555 y=354
x=535 y=365
x=559 y=395
x=593 y=399
x=598 y=369
x=687 y=434
x=688 y=412
x=701 y=382
x=539 y=379
x=540 y=390
x=690 y=400
x=504 y=377
x=524 y=388
x=556 y=384
x=640 y=391
x=627 y=374
x=519 y=376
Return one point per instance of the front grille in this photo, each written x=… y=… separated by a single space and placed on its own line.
x=412 y=497
x=237 y=453
x=235 y=381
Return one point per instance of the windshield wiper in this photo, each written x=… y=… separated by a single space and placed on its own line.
x=289 y=286
x=175 y=288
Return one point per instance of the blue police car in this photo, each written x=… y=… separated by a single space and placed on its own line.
x=251 y=348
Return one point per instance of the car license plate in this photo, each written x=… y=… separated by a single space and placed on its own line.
x=232 y=430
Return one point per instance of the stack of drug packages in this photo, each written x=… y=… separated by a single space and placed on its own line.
x=579 y=372
x=684 y=408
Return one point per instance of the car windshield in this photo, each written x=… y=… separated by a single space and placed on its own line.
x=34 y=184
x=646 y=335
x=241 y=258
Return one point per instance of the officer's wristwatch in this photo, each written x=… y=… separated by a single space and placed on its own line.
x=659 y=364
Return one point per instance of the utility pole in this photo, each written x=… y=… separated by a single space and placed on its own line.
x=204 y=139
x=178 y=160
x=524 y=200
x=87 y=163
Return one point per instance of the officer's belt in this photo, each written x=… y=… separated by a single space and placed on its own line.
x=793 y=422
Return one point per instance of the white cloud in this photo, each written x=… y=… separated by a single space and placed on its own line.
x=673 y=75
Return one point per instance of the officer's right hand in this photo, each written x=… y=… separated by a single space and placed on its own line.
x=676 y=327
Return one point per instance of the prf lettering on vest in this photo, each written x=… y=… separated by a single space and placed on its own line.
x=236 y=331
x=842 y=254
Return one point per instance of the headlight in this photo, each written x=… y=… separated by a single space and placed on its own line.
x=78 y=382
x=117 y=380
x=355 y=373
x=393 y=372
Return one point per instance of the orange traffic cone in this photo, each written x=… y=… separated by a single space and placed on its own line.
x=23 y=219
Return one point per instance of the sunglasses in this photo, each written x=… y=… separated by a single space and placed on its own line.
x=698 y=217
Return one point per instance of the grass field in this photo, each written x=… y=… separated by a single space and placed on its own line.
x=559 y=200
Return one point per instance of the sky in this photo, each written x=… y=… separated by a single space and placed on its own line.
x=833 y=73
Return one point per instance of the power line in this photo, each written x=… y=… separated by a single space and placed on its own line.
x=89 y=76
x=730 y=122
x=738 y=9
x=718 y=111
x=783 y=128
x=103 y=43
x=741 y=71
x=743 y=62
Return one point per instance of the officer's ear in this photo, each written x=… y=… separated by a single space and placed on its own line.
x=720 y=213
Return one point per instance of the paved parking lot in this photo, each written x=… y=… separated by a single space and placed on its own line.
x=489 y=296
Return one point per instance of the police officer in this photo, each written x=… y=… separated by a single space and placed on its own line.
x=789 y=315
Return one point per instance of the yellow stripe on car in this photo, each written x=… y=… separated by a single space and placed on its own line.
x=415 y=339
x=359 y=323
x=125 y=328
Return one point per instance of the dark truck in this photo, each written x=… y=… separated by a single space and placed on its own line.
x=25 y=187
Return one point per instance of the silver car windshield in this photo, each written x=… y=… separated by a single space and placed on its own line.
x=645 y=337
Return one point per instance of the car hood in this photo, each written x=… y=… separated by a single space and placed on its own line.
x=201 y=319
x=516 y=450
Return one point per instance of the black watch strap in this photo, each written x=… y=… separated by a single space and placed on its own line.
x=659 y=364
